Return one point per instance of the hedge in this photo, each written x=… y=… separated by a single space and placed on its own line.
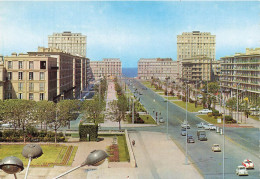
x=88 y=132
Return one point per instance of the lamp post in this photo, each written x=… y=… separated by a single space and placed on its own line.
x=11 y=165
x=186 y=154
x=167 y=128
x=237 y=102
x=95 y=158
x=31 y=151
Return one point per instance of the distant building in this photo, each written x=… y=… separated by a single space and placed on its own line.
x=2 y=78
x=242 y=72
x=29 y=77
x=108 y=67
x=196 y=43
x=197 y=69
x=73 y=43
x=149 y=68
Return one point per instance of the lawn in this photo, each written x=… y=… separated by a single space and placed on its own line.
x=211 y=120
x=171 y=97
x=191 y=106
x=122 y=147
x=146 y=118
x=147 y=84
x=254 y=117
x=51 y=154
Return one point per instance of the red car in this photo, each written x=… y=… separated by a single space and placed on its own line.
x=248 y=164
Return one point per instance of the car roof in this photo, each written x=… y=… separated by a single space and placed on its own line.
x=240 y=166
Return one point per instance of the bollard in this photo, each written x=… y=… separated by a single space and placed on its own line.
x=217 y=130
x=221 y=132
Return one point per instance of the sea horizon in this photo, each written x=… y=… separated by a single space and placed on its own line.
x=130 y=72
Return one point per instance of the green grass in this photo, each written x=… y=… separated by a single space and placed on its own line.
x=254 y=117
x=211 y=120
x=171 y=97
x=144 y=117
x=147 y=84
x=73 y=155
x=75 y=135
x=191 y=106
x=122 y=147
x=51 y=153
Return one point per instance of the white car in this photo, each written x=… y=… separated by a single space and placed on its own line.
x=204 y=111
x=216 y=148
x=185 y=125
x=210 y=127
x=241 y=170
x=248 y=164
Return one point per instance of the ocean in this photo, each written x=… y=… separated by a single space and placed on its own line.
x=129 y=72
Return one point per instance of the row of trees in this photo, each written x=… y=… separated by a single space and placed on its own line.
x=23 y=114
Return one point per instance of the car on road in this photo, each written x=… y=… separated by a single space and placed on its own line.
x=241 y=170
x=161 y=120
x=185 y=125
x=190 y=139
x=204 y=111
x=248 y=164
x=210 y=127
x=183 y=132
x=202 y=135
x=216 y=148
x=200 y=125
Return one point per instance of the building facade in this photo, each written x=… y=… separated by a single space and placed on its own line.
x=149 y=68
x=242 y=72
x=72 y=74
x=30 y=77
x=108 y=67
x=197 y=69
x=2 y=78
x=196 y=43
x=73 y=43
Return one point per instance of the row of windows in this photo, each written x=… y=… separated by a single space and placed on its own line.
x=31 y=86
x=21 y=65
x=20 y=76
x=20 y=96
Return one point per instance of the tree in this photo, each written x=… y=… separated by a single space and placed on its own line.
x=43 y=111
x=231 y=104
x=122 y=107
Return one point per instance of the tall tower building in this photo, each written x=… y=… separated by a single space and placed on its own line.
x=73 y=43
x=196 y=43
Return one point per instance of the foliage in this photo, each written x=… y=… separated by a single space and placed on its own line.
x=88 y=130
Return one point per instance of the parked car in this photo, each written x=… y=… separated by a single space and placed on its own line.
x=185 y=125
x=200 y=96
x=183 y=131
x=248 y=164
x=209 y=127
x=200 y=125
x=204 y=111
x=161 y=120
x=216 y=148
x=190 y=139
x=241 y=170
x=7 y=125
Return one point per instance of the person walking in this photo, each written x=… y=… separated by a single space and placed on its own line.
x=133 y=142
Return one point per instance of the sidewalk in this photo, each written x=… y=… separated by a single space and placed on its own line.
x=156 y=157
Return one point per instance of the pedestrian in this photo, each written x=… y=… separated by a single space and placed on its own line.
x=133 y=142
x=127 y=177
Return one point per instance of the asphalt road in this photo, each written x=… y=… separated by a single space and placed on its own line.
x=239 y=144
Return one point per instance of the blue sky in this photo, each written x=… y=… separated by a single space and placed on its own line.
x=129 y=30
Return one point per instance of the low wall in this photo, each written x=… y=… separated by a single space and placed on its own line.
x=130 y=150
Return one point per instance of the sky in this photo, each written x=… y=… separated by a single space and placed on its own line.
x=129 y=30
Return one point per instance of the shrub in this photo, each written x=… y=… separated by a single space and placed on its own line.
x=209 y=114
x=191 y=100
x=88 y=130
x=215 y=112
x=42 y=134
x=32 y=131
x=1 y=133
x=228 y=119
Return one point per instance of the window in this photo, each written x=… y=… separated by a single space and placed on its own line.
x=30 y=86
x=9 y=76
x=30 y=96
x=41 y=75
x=41 y=96
x=30 y=75
x=20 y=65
x=20 y=95
x=30 y=64
x=43 y=65
x=41 y=86
x=10 y=65
x=20 y=86
x=20 y=75
x=9 y=95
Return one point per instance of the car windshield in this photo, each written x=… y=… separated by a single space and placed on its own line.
x=242 y=168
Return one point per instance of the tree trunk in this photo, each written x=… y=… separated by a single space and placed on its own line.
x=23 y=135
x=55 y=135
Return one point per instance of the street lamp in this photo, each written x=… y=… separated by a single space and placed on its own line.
x=186 y=155
x=31 y=151
x=95 y=158
x=167 y=78
x=11 y=165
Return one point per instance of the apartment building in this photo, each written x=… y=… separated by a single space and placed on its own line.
x=195 y=43
x=242 y=72
x=73 y=43
x=197 y=69
x=72 y=74
x=29 y=77
x=149 y=68
x=108 y=67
